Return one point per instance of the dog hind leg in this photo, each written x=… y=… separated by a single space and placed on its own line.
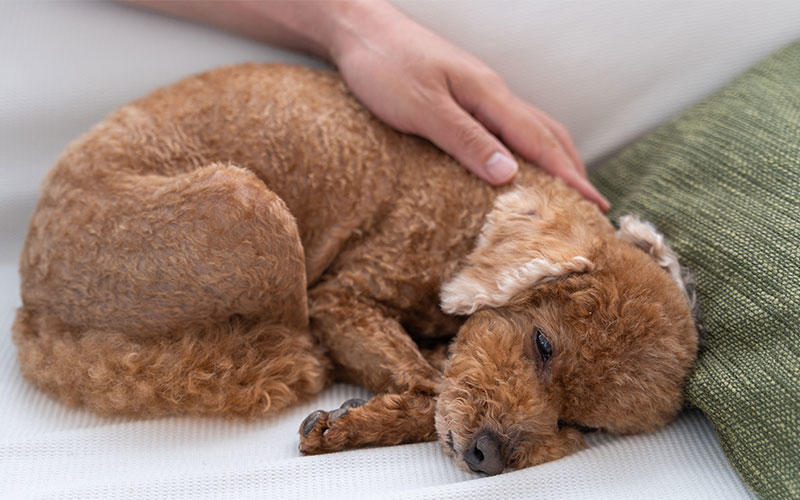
x=148 y=294
x=148 y=254
x=240 y=368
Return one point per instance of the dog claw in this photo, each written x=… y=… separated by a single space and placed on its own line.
x=336 y=415
x=310 y=422
x=353 y=403
x=315 y=431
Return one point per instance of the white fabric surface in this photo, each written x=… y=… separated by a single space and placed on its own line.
x=608 y=70
x=48 y=450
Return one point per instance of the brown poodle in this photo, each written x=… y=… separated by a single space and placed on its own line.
x=232 y=243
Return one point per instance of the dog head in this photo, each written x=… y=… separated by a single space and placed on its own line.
x=571 y=325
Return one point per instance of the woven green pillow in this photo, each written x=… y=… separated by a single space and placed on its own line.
x=722 y=181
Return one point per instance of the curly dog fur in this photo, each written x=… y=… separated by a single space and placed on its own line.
x=232 y=243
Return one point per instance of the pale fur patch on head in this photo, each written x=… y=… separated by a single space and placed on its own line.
x=468 y=292
x=519 y=247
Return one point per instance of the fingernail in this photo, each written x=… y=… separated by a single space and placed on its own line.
x=594 y=195
x=602 y=202
x=501 y=168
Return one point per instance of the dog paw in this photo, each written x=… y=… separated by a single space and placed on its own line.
x=326 y=431
x=311 y=422
x=353 y=403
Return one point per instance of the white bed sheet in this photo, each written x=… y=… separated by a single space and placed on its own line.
x=609 y=70
x=48 y=450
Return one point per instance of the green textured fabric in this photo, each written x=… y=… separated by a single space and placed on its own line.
x=722 y=181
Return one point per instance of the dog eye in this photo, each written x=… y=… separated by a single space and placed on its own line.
x=542 y=345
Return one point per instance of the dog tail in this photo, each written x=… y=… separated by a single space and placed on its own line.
x=241 y=368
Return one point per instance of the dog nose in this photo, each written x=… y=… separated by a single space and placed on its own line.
x=484 y=454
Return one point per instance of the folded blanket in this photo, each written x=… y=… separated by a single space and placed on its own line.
x=722 y=181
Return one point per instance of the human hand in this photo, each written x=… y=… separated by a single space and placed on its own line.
x=419 y=83
x=412 y=79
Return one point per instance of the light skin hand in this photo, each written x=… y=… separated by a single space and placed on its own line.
x=413 y=80
x=421 y=84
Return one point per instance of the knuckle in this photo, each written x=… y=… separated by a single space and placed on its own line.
x=548 y=140
x=433 y=116
x=546 y=148
x=426 y=96
x=560 y=130
x=478 y=83
x=492 y=80
x=471 y=137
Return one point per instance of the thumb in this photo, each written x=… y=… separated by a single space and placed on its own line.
x=465 y=139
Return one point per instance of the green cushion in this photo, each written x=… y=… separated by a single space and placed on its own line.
x=722 y=181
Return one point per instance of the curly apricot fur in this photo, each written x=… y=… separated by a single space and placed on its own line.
x=230 y=244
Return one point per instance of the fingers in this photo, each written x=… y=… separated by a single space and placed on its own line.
x=539 y=138
x=464 y=138
x=529 y=131
x=561 y=133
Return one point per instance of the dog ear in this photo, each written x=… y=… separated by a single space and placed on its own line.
x=523 y=242
x=645 y=236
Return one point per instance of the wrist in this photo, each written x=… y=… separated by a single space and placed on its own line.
x=323 y=28
x=357 y=25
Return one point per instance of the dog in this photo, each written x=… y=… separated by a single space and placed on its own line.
x=232 y=243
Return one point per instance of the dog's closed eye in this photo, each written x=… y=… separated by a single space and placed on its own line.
x=538 y=348
x=542 y=345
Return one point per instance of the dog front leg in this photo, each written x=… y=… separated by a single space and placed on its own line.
x=371 y=349
x=384 y=420
x=368 y=347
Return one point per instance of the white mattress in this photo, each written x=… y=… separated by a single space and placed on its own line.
x=608 y=70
